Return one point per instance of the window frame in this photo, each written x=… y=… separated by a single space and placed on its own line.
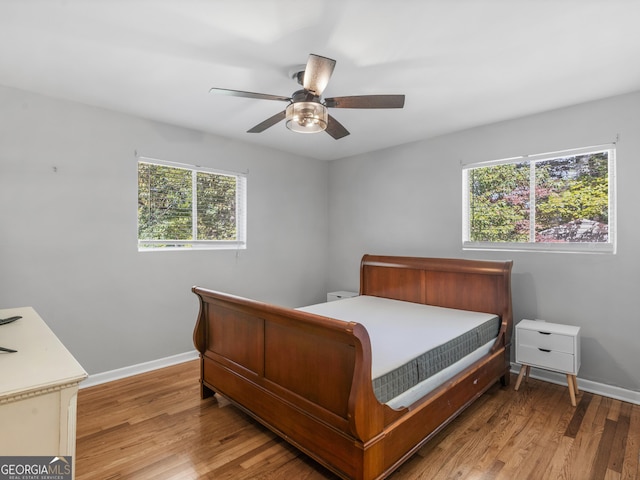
x=240 y=243
x=608 y=247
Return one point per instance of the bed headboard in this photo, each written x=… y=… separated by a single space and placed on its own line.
x=478 y=285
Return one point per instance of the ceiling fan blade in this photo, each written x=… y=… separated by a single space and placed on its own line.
x=335 y=129
x=269 y=122
x=317 y=73
x=366 y=101
x=240 y=93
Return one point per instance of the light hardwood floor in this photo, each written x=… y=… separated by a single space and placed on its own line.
x=155 y=426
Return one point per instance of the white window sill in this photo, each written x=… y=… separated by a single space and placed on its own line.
x=601 y=248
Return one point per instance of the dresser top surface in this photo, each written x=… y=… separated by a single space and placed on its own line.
x=548 y=327
x=41 y=361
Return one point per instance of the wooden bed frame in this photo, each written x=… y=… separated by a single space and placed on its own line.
x=308 y=377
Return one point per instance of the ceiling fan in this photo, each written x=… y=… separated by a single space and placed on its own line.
x=307 y=110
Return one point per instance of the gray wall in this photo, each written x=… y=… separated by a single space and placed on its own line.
x=408 y=201
x=68 y=237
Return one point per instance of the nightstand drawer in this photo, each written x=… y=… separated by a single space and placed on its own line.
x=548 y=341
x=554 y=360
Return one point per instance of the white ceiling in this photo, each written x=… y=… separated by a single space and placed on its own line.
x=460 y=63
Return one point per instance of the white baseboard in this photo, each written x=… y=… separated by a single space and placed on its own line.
x=100 y=378
x=586 y=385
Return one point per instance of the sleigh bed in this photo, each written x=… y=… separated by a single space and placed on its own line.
x=308 y=377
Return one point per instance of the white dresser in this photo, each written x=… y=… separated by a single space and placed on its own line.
x=551 y=346
x=38 y=389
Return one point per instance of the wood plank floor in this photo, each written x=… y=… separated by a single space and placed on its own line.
x=154 y=426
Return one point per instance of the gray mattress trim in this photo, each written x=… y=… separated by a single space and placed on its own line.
x=401 y=379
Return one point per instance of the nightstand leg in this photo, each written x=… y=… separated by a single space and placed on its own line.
x=523 y=370
x=572 y=388
x=575 y=384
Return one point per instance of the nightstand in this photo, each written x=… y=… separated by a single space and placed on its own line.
x=333 y=296
x=551 y=346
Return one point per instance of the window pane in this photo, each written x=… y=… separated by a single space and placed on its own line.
x=164 y=203
x=572 y=199
x=185 y=206
x=216 y=206
x=499 y=203
x=570 y=208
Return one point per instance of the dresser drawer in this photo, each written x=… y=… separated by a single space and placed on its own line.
x=554 y=360
x=548 y=341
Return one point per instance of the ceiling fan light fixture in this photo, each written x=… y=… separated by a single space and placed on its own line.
x=307 y=117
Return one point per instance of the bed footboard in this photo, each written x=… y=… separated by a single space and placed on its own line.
x=301 y=375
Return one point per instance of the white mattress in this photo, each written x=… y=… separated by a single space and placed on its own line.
x=401 y=331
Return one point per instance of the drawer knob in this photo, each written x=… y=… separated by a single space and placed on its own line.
x=544 y=333
x=544 y=350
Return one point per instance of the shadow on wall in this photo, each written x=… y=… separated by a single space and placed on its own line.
x=603 y=368
x=524 y=297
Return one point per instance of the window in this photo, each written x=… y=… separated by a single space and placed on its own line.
x=183 y=206
x=562 y=201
